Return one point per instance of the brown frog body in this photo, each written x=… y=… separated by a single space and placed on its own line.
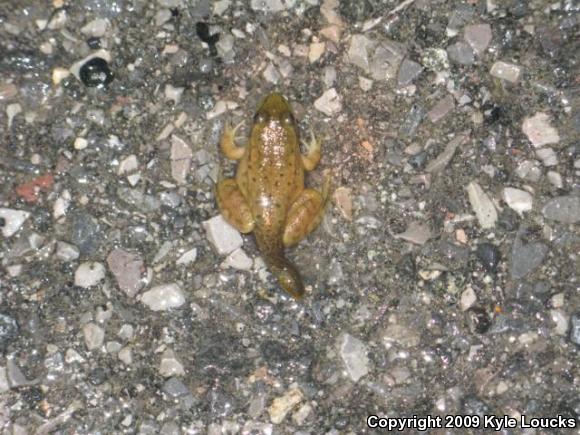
x=267 y=195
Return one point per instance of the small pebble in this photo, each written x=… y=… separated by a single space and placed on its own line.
x=96 y=73
x=187 y=257
x=223 y=237
x=329 y=103
x=66 y=252
x=461 y=53
x=94 y=336
x=181 y=156
x=529 y=170
x=408 y=72
x=126 y=355
x=468 y=298
x=316 y=51
x=170 y=365
x=547 y=156
x=539 y=130
x=127 y=268
x=444 y=106
x=565 y=209
x=488 y=255
x=353 y=353
x=238 y=260
x=478 y=36
x=281 y=406
x=417 y=232
x=518 y=200
x=89 y=273
x=481 y=205
x=11 y=220
x=506 y=71
x=560 y=320
x=164 y=297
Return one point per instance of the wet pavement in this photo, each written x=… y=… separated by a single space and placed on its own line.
x=442 y=282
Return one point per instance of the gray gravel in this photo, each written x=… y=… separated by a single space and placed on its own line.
x=442 y=281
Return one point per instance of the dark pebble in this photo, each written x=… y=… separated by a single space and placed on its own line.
x=8 y=331
x=97 y=376
x=202 y=30
x=406 y=265
x=96 y=73
x=488 y=255
x=86 y=233
x=94 y=43
x=418 y=160
x=32 y=396
x=357 y=11
x=479 y=321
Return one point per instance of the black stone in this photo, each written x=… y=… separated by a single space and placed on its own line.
x=479 y=320
x=96 y=73
x=488 y=255
x=202 y=30
x=94 y=43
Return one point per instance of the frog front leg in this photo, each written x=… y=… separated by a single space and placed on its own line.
x=311 y=159
x=233 y=206
x=228 y=143
x=305 y=214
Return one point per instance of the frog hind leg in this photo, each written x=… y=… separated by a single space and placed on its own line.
x=311 y=159
x=228 y=143
x=233 y=206
x=305 y=214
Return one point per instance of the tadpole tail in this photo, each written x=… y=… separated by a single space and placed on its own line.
x=286 y=273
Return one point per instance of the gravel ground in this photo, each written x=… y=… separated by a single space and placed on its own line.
x=443 y=280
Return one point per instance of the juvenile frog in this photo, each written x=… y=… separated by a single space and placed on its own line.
x=267 y=195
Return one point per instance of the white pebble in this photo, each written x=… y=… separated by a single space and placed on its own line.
x=506 y=71
x=12 y=220
x=187 y=257
x=560 y=318
x=126 y=356
x=481 y=205
x=354 y=356
x=316 y=51
x=238 y=260
x=539 y=131
x=518 y=200
x=468 y=298
x=547 y=156
x=170 y=365
x=80 y=143
x=94 y=335
x=98 y=27
x=89 y=273
x=329 y=103
x=163 y=297
x=66 y=252
x=223 y=237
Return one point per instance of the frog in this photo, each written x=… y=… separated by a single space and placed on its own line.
x=268 y=196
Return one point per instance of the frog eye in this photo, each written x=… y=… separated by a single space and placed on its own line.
x=288 y=119
x=260 y=118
